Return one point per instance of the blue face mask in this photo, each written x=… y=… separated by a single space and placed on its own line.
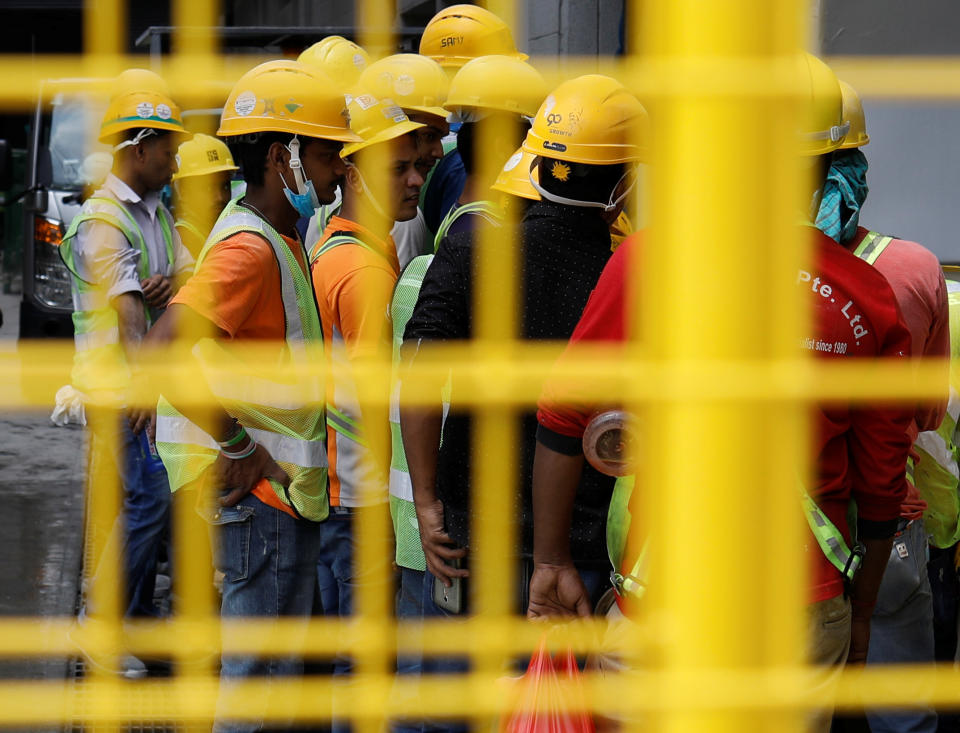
x=304 y=203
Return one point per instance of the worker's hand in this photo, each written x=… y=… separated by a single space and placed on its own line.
x=157 y=291
x=437 y=544
x=239 y=477
x=557 y=590
x=140 y=418
x=859 y=639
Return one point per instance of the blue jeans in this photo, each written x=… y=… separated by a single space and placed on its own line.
x=901 y=629
x=146 y=506
x=409 y=608
x=268 y=559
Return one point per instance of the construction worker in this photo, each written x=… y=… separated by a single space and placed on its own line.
x=565 y=245
x=454 y=36
x=902 y=624
x=201 y=188
x=419 y=86
x=355 y=269
x=502 y=92
x=125 y=261
x=257 y=449
x=861 y=452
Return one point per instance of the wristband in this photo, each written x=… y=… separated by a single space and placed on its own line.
x=229 y=443
x=240 y=456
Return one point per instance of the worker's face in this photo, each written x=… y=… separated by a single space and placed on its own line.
x=405 y=178
x=205 y=195
x=156 y=159
x=323 y=165
x=430 y=138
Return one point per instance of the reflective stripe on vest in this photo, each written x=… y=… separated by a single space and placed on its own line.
x=872 y=247
x=830 y=539
x=405 y=295
x=487 y=209
x=99 y=364
x=286 y=417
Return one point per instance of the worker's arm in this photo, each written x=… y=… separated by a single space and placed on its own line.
x=132 y=325
x=181 y=323
x=556 y=588
x=420 y=427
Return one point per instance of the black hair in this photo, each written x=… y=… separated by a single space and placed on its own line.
x=580 y=181
x=250 y=154
x=468 y=134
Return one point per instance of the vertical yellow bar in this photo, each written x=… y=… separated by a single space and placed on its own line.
x=104 y=27
x=372 y=526
x=722 y=202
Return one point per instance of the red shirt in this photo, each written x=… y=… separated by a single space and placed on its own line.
x=860 y=451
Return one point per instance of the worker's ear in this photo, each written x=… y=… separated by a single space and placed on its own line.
x=352 y=177
x=278 y=158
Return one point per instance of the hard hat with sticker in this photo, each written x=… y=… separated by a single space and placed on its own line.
x=514 y=161
x=404 y=85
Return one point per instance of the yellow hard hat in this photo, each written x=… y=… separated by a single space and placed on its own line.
x=137 y=110
x=515 y=176
x=286 y=96
x=823 y=123
x=375 y=121
x=202 y=155
x=592 y=119
x=338 y=58
x=497 y=83
x=139 y=80
x=463 y=32
x=414 y=82
x=853 y=114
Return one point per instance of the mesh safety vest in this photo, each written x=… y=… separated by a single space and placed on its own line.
x=286 y=416
x=99 y=364
x=937 y=474
x=487 y=209
x=402 y=510
x=353 y=465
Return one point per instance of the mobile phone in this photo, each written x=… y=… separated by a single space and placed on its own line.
x=450 y=599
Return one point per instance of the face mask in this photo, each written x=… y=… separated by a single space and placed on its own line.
x=305 y=201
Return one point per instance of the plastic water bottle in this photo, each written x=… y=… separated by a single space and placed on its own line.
x=611 y=441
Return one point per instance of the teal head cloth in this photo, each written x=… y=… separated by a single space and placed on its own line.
x=844 y=192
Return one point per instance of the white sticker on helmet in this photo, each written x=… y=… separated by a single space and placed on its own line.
x=513 y=162
x=163 y=111
x=404 y=85
x=244 y=103
x=144 y=110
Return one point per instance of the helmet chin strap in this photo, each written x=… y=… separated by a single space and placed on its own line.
x=611 y=204
x=296 y=166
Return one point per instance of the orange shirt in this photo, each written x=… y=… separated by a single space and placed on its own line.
x=237 y=288
x=354 y=286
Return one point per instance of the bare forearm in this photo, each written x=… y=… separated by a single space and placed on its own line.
x=421 y=428
x=867 y=581
x=555 y=480
x=132 y=322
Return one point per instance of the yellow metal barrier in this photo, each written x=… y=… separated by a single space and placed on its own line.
x=720 y=642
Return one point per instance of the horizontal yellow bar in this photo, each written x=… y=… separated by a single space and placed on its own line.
x=189 y=698
x=488 y=374
x=210 y=76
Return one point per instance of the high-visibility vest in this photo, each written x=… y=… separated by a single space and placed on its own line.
x=487 y=209
x=354 y=465
x=286 y=416
x=99 y=366
x=937 y=474
x=409 y=551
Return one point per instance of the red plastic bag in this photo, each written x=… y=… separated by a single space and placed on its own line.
x=542 y=705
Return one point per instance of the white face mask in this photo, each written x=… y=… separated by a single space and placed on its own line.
x=611 y=204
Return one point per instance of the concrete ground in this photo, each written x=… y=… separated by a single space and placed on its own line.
x=41 y=536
